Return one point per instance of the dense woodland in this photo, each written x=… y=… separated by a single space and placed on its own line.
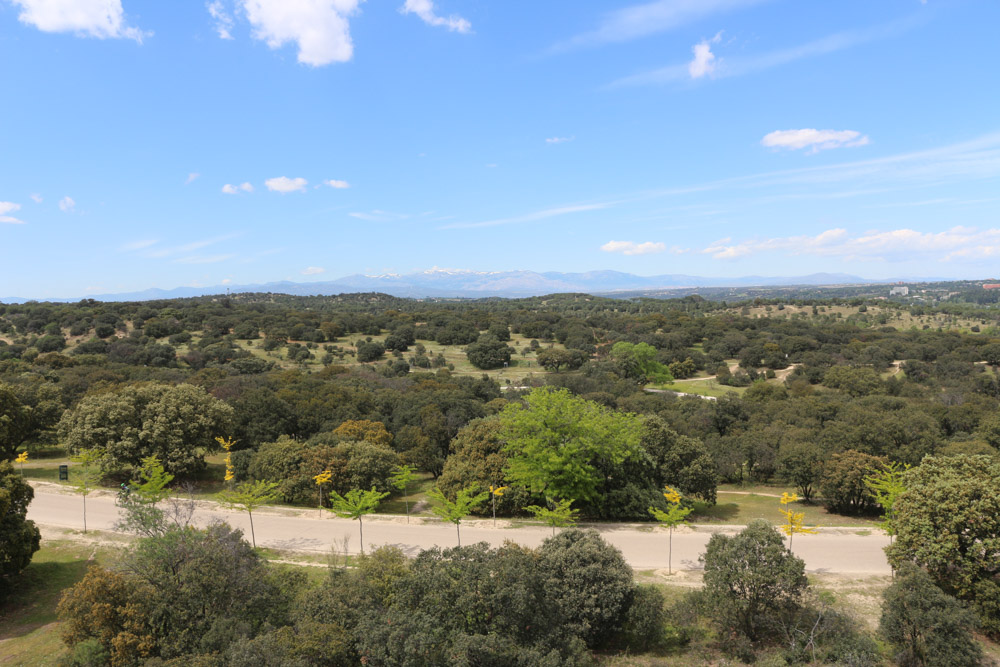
x=824 y=393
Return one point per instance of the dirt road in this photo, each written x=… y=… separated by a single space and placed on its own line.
x=834 y=551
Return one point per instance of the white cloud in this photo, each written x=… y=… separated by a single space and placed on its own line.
x=704 y=60
x=284 y=185
x=204 y=259
x=312 y=271
x=91 y=18
x=66 y=204
x=9 y=207
x=231 y=189
x=815 y=140
x=425 y=10
x=891 y=245
x=559 y=140
x=650 y=18
x=337 y=185
x=633 y=248
x=192 y=177
x=319 y=27
x=227 y=281
x=223 y=19
x=37 y=198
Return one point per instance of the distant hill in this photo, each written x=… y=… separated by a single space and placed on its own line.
x=477 y=284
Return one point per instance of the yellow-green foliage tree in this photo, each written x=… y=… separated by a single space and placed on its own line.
x=366 y=430
x=401 y=478
x=456 y=510
x=793 y=520
x=558 y=514
x=247 y=497
x=87 y=475
x=675 y=515
x=355 y=504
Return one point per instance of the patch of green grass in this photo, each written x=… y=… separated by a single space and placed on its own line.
x=416 y=493
x=740 y=507
x=700 y=387
x=29 y=628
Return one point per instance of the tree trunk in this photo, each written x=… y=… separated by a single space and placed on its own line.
x=361 y=529
x=253 y=537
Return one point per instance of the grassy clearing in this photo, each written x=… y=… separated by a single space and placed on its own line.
x=29 y=629
x=741 y=505
x=701 y=387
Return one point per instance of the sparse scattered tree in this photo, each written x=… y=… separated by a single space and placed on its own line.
x=247 y=497
x=401 y=478
x=87 y=475
x=355 y=504
x=559 y=513
x=675 y=515
x=456 y=510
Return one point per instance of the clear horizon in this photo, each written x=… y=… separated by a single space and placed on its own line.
x=203 y=144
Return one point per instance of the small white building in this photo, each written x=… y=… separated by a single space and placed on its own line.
x=899 y=291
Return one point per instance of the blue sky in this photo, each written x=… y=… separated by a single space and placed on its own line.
x=147 y=143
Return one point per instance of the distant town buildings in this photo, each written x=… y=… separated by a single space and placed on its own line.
x=991 y=286
x=899 y=291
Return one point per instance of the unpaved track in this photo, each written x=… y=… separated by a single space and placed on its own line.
x=834 y=551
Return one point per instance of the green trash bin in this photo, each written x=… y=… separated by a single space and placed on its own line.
x=64 y=473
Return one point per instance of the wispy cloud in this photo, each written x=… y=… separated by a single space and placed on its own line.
x=203 y=259
x=37 y=198
x=223 y=19
x=284 y=185
x=703 y=62
x=9 y=207
x=183 y=249
x=531 y=217
x=138 y=245
x=66 y=204
x=650 y=18
x=192 y=177
x=815 y=140
x=739 y=66
x=425 y=10
x=559 y=140
x=103 y=19
x=379 y=216
x=337 y=185
x=957 y=243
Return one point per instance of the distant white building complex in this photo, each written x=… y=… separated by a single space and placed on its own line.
x=899 y=291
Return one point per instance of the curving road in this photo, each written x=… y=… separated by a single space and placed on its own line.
x=834 y=551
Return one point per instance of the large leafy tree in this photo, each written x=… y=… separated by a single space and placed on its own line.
x=565 y=446
x=948 y=522
x=15 y=422
x=488 y=352
x=175 y=423
x=19 y=537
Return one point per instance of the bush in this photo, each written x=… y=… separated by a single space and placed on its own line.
x=370 y=352
x=488 y=352
x=88 y=653
x=843 y=482
x=645 y=621
x=19 y=536
x=752 y=581
x=925 y=626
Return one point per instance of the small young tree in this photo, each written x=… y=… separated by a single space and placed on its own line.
x=400 y=479
x=247 y=497
x=793 y=519
x=356 y=504
x=886 y=485
x=321 y=479
x=926 y=626
x=675 y=515
x=227 y=444
x=22 y=458
x=88 y=475
x=559 y=515
x=496 y=492
x=142 y=516
x=455 y=510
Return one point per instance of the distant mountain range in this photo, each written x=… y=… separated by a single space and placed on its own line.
x=479 y=284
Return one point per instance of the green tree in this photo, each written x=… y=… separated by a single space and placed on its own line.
x=751 y=580
x=401 y=478
x=843 y=482
x=558 y=514
x=248 y=496
x=678 y=460
x=925 y=626
x=19 y=537
x=355 y=504
x=675 y=515
x=456 y=510
x=638 y=361
x=948 y=522
x=141 y=514
x=488 y=352
x=801 y=464
x=564 y=446
x=15 y=422
x=885 y=485
x=176 y=423
x=87 y=475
